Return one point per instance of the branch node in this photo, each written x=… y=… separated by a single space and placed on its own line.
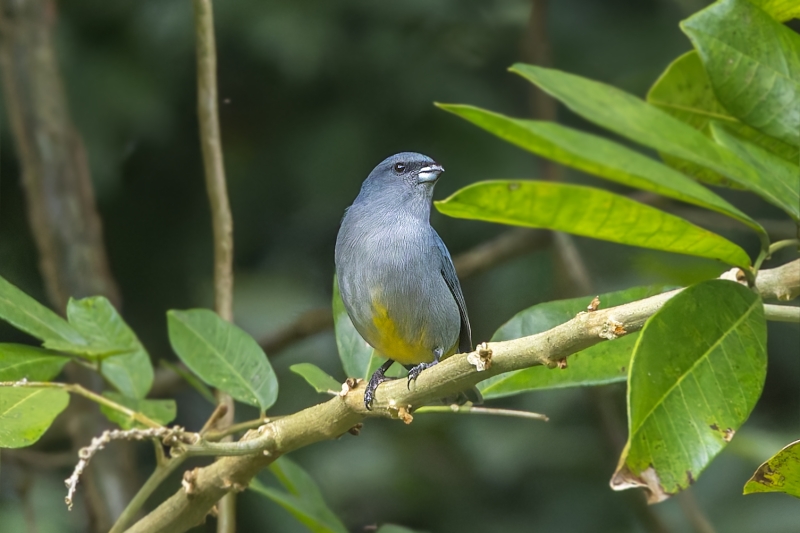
x=356 y=430
x=404 y=414
x=612 y=329
x=594 y=305
x=481 y=358
x=562 y=363
x=735 y=274
x=348 y=385
x=189 y=481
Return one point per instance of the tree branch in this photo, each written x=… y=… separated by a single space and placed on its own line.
x=335 y=417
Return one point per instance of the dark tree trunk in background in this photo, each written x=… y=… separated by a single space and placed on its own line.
x=63 y=217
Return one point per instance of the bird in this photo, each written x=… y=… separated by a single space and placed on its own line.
x=395 y=275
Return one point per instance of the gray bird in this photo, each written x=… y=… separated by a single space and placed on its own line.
x=396 y=277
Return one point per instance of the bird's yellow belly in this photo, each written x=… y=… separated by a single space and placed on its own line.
x=393 y=344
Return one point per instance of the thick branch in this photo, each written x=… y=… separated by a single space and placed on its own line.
x=333 y=418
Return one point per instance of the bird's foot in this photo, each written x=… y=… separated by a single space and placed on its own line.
x=415 y=371
x=377 y=378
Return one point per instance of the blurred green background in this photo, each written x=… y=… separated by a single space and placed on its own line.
x=314 y=94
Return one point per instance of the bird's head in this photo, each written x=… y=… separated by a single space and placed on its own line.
x=403 y=175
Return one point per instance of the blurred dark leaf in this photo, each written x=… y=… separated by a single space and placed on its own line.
x=302 y=498
x=780 y=473
x=607 y=362
x=595 y=155
x=18 y=361
x=778 y=180
x=316 y=377
x=753 y=62
x=223 y=355
x=161 y=411
x=588 y=212
x=696 y=374
x=26 y=413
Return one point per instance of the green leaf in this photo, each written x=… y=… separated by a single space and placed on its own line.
x=778 y=180
x=781 y=473
x=640 y=122
x=606 y=362
x=161 y=411
x=26 y=413
x=28 y=315
x=192 y=380
x=223 y=355
x=753 y=62
x=684 y=91
x=131 y=371
x=359 y=359
x=588 y=212
x=316 y=377
x=598 y=156
x=780 y=10
x=303 y=499
x=696 y=373
x=18 y=361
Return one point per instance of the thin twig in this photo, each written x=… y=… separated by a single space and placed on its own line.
x=473 y=410
x=782 y=313
x=81 y=391
x=221 y=218
x=236 y=428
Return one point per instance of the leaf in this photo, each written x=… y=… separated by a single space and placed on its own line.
x=359 y=359
x=606 y=362
x=595 y=155
x=26 y=413
x=778 y=180
x=781 y=473
x=640 y=122
x=161 y=411
x=684 y=91
x=18 y=361
x=223 y=355
x=28 y=315
x=588 y=212
x=303 y=499
x=753 y=62
x=192 y=380
x=316 y=377
x=780 y=10
x=131 y=372
x=696 y=373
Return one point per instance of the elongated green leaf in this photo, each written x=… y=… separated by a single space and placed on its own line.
x=161 y=411
x=777 y=178
x=223 y=355
x=696 y=373
x=684 y=91
x=28 y=315
x=781 y=473
x=588 y=212
x=607 y=362
x=359 y=359
x=598 y=156
x=303 y=498
x=26 y=413
x=642 y=123
x=18 y=361
x=316 y=377
x=753 y=62
x=124 y=363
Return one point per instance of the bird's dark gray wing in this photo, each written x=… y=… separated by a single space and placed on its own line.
x=450 y=277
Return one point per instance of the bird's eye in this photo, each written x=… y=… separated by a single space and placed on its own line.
x=399 y=168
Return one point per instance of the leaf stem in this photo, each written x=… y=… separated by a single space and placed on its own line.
x=161 y=473
x=86 y=393
x=779 y=245
x=236 y=428
x=472 y=410
x=782 y=313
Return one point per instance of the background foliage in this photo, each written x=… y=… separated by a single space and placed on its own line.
x=314 y=94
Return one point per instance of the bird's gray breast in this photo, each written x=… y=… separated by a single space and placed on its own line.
x=389 y=271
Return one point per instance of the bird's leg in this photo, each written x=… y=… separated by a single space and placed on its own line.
x=415 y=371
x=377 y=378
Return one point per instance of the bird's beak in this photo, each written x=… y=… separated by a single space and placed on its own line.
x=430 y=173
